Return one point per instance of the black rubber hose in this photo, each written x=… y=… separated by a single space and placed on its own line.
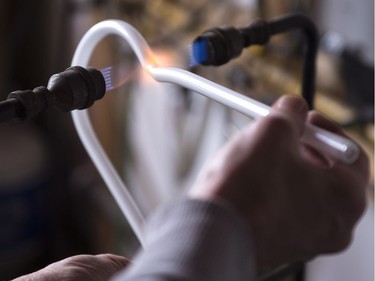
x=74 y=88
x=219 y=45
x=298 y=21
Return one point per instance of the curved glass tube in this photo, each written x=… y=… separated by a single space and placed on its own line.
x=84 y=127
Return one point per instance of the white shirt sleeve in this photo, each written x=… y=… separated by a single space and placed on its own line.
x=194 y=240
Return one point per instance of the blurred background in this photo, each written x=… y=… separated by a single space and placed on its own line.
x=53 y=202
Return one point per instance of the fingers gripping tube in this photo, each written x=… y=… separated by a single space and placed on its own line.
x=335 y=146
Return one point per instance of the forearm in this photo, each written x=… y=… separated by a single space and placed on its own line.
x=194 y=240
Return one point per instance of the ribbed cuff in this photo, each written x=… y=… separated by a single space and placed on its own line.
x=196 y=240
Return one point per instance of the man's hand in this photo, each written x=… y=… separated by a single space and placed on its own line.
x=80 y=268
x=297 y=202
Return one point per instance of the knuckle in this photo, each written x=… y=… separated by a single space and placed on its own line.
x=358 y=207
x=364 y=166
x=353 y=203
x=339 y=236
x=341 y=241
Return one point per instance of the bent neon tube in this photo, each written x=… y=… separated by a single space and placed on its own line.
x=324 y=141
x=336 y=146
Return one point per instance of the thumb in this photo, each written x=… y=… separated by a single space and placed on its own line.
x=293 y=107
x=116 y=262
